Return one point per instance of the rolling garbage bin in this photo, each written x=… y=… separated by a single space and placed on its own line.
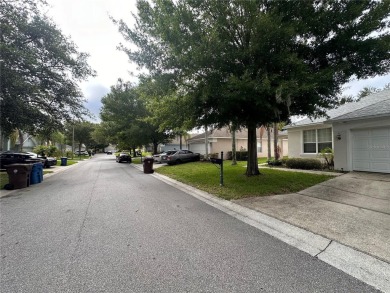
x=64 y=161
x=18 y=175
x=36 y=173
x=148 y=165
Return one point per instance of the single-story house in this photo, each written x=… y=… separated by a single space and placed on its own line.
x=220 y=140
x=174 y=144
x=358 y=132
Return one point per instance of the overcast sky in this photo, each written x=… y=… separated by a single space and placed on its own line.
x=87 y=23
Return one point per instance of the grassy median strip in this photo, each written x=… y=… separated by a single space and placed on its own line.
x=206 y=176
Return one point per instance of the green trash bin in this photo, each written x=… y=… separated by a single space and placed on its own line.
x=64 y=161
x=18 y=175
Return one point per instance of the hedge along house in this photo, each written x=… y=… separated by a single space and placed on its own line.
x=358 y=132
x=220 y=140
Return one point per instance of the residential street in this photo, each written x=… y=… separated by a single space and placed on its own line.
x=101 y=226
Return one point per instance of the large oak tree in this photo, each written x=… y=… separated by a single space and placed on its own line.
x=39 y=70
x=252 y=63
x=125 y=111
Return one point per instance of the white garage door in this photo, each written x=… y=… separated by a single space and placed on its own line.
x=198 y=148
x=371 y=150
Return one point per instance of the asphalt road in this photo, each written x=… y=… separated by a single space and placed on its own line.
x=107 y=227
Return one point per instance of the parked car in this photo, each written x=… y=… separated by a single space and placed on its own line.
x=163 y=157
x=7 y=158
x=47 y=161
x=81 y=153
x=182 y=156
x=109 y=152
x=123 y=157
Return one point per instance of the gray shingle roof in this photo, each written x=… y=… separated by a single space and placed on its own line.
x=374 y=105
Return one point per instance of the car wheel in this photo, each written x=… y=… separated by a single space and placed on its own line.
x=178 y=162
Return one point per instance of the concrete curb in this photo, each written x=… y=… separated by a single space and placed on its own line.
x=362 y=266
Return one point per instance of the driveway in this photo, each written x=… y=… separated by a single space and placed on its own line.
x=352 y=209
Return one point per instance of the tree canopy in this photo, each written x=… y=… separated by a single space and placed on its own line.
x=252 y=63
x=125 y=112
x=40 y=69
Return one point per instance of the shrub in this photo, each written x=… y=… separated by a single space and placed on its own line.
x=306 y=164
x=41 y=150
x=240 y=155
x=275 y=163
x=328 y=156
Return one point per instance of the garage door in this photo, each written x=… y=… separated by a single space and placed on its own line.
x=371 y=150
x=198 y=148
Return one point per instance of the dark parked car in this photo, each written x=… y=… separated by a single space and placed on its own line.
x=163 y=157
x=182 y=156
x=47 y=161
x=7 y=158
x=123 y=157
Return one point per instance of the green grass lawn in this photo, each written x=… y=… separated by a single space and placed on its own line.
x=68 y=162
x=206 y=176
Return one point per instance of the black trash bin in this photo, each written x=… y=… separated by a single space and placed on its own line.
x=18 y=175
x=148 y=165
x=64 y=161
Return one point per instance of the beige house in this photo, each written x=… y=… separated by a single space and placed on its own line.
x=220 y=140
x=359 y=134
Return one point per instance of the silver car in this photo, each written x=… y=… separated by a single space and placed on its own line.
x=182 y=156
x=163 y=157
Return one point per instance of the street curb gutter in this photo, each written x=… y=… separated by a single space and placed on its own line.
x=362 y=266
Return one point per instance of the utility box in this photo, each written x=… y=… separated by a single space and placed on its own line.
x=18 y=175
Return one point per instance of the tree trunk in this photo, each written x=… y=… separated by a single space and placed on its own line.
x=276 y=152
x=252 y=167
x=20 y=140
x=155 y=145
x=269 y=142
x=234 y=157
x=180 y=139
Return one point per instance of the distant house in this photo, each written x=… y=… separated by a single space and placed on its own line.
x=220 y=140
x=174 y=144
x=359 y=134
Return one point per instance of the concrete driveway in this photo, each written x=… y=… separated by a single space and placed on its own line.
x=352 y=209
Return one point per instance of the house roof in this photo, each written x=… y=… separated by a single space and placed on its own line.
x=374 y=105
x=220 y=133
x=225 y=133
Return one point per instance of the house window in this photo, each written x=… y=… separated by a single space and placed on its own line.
x=324 y=138
x=316 y=140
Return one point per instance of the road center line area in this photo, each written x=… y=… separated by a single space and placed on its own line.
x=141 y=234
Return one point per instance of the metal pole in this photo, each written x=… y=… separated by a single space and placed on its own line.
x=221 y=176
x=73 y=141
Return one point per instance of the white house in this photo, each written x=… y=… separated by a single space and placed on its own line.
x=359 y=134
